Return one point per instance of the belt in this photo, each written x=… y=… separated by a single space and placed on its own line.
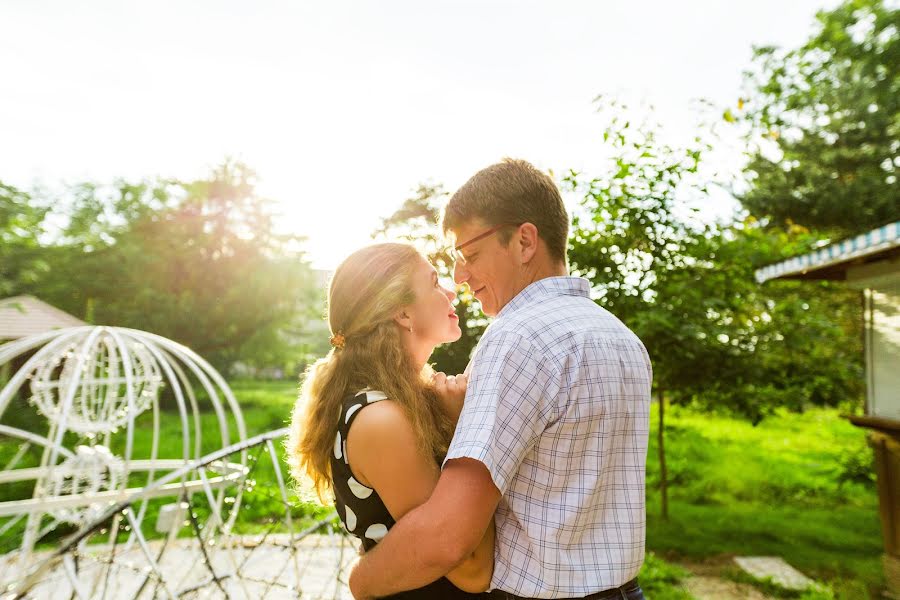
x=616 y=593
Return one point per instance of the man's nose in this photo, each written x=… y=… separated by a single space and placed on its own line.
x=460 y=274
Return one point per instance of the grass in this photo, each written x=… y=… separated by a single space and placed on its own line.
x=780 y=488
x=661 y=580
x=264 y=406
x=796 y=486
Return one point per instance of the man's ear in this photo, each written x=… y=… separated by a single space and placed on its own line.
x=528 y=242
x=403 y=319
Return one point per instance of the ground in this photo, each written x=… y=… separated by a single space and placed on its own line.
x=796 y=486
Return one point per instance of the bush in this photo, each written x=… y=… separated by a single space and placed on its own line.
x=661 y=580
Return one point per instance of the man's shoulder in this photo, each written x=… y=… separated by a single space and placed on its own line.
x=545 y=324
x=556 y=333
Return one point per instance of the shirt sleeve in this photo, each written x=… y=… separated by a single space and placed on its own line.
x=508 y=405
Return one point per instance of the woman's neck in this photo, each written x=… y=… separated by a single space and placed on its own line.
x=419 y=352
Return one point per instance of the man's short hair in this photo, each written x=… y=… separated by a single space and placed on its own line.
x=511 y=192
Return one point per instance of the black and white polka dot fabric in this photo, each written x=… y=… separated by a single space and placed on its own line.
x=361 y=509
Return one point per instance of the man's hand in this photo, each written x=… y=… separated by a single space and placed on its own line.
x=435 y=538
x=451 y=390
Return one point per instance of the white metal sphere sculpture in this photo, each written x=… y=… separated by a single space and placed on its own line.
x=75 y=403
x=110 y=381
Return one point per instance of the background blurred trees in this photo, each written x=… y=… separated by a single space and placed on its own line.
x=824 y=123
x=21 y=225
x=200 y=262
x=686 y=287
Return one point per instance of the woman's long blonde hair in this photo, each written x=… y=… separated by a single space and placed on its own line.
x=366 y=292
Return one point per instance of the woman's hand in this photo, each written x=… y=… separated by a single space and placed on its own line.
x=451 y=390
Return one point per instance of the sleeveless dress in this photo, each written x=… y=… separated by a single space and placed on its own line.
x=361 y=509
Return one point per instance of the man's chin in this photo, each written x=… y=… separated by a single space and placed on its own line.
x=487 y=310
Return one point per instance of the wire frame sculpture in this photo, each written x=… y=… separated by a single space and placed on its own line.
x=98 y=501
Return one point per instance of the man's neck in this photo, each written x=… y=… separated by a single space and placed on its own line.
x=542 y=271
x=549 y=269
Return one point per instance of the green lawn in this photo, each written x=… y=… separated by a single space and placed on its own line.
x=773 y=489
x=735 y=489
x=264 y=406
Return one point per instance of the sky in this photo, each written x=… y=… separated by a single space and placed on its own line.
x=343 y=108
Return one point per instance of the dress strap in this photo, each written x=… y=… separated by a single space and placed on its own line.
x=354 y=404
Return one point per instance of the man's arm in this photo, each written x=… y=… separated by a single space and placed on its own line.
x=429 y=541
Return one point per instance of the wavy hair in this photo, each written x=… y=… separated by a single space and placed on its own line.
x=367 y=290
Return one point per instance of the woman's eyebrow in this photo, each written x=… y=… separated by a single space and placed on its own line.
x=434 y=276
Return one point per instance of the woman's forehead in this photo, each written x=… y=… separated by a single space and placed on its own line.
x=425 y=267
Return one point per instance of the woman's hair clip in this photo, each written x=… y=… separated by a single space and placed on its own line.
x=338 y=340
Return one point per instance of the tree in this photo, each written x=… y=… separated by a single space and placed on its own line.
x=686 y=288
x=200 y=262
x=21 y=225
x=824 y=123
x=786 y=344
x=638 y=255
x=416 y=221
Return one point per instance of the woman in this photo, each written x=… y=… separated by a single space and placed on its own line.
x=373 y=422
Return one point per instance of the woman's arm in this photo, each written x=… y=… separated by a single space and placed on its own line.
x=474 y=574
x=384 y=455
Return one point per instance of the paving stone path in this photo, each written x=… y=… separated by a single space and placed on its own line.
x=313 y=568
x=709 y=587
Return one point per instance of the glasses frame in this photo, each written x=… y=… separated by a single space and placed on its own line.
x=454 y=252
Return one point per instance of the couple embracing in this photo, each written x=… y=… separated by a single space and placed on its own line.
x=524 y=477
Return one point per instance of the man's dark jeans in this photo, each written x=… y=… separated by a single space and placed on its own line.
x=629 y=591
x=633 y=592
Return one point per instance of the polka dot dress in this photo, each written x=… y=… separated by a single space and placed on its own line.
x=361 y=509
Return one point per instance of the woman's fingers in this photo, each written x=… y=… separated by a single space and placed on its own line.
x=457 y=383
x=449 y=384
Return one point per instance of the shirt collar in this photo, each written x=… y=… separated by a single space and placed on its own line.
x=548 y=287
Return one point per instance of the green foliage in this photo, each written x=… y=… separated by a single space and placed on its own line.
x=687 y=287
x=661 y=580
x=770 y=489
x=641 y=257
x=857 y=465
x=790 y=458
x=416 y=221
x=783 y=344
x=21 y=224
x=199 y=262
x=824 y=123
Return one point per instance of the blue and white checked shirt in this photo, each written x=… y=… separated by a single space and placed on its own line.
x=557 y=409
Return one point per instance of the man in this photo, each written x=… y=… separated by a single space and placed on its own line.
x=554 y=428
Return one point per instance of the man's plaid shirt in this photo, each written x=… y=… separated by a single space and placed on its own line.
x=557 y=409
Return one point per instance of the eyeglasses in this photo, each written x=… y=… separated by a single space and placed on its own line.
x=454 y=252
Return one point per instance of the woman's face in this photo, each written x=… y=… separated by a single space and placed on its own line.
x=432 y=316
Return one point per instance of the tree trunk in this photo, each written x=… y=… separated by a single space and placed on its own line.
x=663 y=473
